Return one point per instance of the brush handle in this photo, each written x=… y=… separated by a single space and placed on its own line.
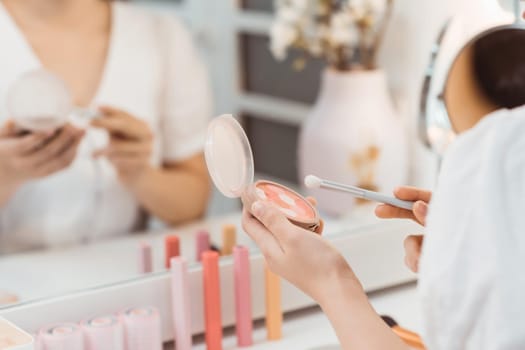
x=366 y=194
x=379 y=197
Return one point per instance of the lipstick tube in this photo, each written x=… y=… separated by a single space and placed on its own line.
x=202 y=244
x=212 y=300
x=103 y=333
x=181 y=303
x=274 y=314
x=61 y=336
x=243 y=296
x=229 y=239
x=141 y=328
x=172 y=248
x=145 y=258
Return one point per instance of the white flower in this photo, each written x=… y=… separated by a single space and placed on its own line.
x=341 y=19
x=361 y=7
x=289 y=14
x=282 y=35
x=342 y=31
x=346 y=36
x=299 y=4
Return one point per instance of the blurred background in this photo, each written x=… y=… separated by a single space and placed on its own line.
x=273 y=99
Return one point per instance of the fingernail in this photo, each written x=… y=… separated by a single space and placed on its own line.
x=421 y=208
x=257 y=208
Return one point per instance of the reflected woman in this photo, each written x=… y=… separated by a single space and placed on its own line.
x=143 y=155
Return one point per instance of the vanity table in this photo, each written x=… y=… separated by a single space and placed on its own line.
x=309 y=329
x=71 y=284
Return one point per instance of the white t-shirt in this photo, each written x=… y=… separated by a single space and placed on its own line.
x=472 y=284
x=153 y=72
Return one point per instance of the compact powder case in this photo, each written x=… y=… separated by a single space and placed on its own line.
x=230 y=164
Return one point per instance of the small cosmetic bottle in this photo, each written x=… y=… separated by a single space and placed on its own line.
x=142 y=328
x=103 y=333
x=61 y=336
x=230 y=164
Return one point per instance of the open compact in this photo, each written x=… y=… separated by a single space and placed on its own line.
x=40 y=101
x=230 y=164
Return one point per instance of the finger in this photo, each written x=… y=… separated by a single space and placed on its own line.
x=275 y=221
x=63 y=141
x=8 y=129
x=386 y=211
x=408 y=193
x=60 y=162
x=67 y=137
x=420 y=211
x=412 y=246
x=312 y=201
x=264 y=239
x=122 y=124
x=27 y=144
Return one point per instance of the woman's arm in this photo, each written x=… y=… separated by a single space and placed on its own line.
x=175 y=193
x=355 y=322
x=313 y=265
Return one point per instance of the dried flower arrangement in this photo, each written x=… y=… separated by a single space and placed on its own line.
x=345 y=33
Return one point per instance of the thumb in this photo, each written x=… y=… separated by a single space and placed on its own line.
x=272 y=218
x=420 y=212
x=8 y=129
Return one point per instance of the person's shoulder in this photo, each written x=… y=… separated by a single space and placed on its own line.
x=143 y=16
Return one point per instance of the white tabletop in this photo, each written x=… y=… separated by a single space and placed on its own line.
x=309 y=329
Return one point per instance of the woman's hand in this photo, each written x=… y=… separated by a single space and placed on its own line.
x=419 y=210
x=418 y=213
x=130 y=144
x=298 y=255
x=313 y=265
x=35 y=155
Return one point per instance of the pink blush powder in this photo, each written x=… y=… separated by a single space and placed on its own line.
x=288 y=202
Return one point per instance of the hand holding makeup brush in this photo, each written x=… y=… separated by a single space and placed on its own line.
x=413 y=243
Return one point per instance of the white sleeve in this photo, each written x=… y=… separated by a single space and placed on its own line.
x=187 y=99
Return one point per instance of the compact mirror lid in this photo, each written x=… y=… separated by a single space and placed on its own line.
x=39 y=100
x=229 y=156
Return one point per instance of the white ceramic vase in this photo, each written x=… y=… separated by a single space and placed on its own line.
x=353 y=135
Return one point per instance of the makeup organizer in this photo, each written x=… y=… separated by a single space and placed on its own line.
x=374 y=248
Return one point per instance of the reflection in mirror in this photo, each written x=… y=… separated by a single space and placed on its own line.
x=484 y=75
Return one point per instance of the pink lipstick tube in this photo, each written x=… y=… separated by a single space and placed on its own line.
x=145 y=258
x=103 y=333
x=202 y=244
x=62 y=336
x=181 y=303
x=212 y=300
x=243 y=296
x=142 y=328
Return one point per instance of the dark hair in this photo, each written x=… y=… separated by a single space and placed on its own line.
x=499 y=66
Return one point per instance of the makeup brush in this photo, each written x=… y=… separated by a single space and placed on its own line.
x=408 y=337
x=312 y=181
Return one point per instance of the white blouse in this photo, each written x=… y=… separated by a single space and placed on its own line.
x=153 y=71
x=471 y=279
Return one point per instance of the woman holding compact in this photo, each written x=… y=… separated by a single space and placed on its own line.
x=144 y=75
x=470 y=262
